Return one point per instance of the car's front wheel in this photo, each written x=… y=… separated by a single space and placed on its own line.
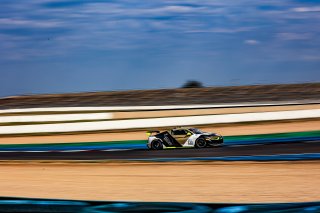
x=156 y=145
x=200 y=143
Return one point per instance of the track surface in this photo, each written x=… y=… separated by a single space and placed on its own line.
x=225 y=151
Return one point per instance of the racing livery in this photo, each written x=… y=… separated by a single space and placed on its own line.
x=182 y=137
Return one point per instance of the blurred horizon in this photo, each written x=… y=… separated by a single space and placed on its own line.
x=183 y=86
x=66 y=46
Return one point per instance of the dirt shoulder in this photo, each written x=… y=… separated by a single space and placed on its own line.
x=181 y=182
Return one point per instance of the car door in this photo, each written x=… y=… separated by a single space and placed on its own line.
x=181 y=135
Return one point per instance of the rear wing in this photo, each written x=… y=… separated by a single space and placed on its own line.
x=149 y=133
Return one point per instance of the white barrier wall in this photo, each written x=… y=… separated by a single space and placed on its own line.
x=160 y=122
x=141 y=108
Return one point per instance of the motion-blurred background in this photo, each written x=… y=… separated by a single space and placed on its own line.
x=83 y=81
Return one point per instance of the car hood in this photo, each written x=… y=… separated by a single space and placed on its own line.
x=210 y=134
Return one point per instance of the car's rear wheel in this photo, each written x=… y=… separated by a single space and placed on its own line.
x=156 y=145
x=200 y=143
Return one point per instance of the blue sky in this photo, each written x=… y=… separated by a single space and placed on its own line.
x=56 y=46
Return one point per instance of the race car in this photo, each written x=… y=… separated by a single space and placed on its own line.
x=182 y=137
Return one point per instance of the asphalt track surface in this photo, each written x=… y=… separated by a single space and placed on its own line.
x=224 y=151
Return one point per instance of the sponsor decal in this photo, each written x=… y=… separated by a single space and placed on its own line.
x=167 y=140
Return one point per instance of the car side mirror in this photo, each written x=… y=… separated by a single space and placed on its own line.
x=189 y=134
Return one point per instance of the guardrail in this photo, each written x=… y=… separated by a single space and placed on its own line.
x=159 y=122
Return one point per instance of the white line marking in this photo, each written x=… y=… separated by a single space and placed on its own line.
x=80 y=150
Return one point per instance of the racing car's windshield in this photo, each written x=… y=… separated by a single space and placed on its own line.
x=196 y=131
